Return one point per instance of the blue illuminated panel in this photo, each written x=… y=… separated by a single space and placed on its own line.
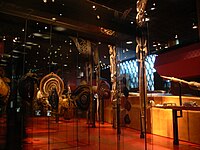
x=130 y=70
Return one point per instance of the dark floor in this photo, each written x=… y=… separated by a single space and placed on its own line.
x=43 y=133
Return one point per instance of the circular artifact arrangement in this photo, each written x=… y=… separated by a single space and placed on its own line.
x=81 y=96
x=49 y=82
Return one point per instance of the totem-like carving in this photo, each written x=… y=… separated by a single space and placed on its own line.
x=141 y=52
x=113 y=71
x=140 y=17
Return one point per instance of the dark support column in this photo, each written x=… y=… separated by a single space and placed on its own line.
x=93 y=111
x=102 y=110
x=175 y=127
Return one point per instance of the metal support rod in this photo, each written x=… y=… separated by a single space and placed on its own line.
x=180 y=98
x=175 y=127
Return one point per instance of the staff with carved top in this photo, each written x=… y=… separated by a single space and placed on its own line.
x=141 y=52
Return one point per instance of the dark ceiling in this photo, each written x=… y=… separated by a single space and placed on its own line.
x=171 y=20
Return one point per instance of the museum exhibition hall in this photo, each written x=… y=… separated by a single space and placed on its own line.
x=99 y=75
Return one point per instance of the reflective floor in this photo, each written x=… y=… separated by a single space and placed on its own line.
x=44 y=133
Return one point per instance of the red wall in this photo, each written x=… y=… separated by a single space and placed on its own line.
x=180 y=63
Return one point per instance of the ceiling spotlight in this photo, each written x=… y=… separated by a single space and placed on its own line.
x=60 y=14
x=131 y=22
x=3 y=60
x=153 y=7
x=37 y=34
x=94 y=7
x=98 y=17
x=194 y=26
x=4 y=38
x=45 y=1
x=166 y=46
x=15 y=56
x=59 y=29
x=129 y=42
x=154 y=45
x=46 y=37
x=147 y=19
x=54 y=19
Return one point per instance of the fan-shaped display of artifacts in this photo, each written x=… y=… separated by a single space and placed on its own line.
x=81 y=96
x=49 y=82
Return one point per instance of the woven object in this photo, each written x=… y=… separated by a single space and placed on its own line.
x=50 y=82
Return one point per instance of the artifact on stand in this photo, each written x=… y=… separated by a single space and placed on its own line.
x=27 y=88
x=53 y=99
x=103 y=93
x=127 y=104
x=113 y=71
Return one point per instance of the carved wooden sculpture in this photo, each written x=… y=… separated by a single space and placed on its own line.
x=113 y=71
x=141 y=52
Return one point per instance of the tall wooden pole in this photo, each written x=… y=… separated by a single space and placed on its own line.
x=113 y=71
x=141 y=52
